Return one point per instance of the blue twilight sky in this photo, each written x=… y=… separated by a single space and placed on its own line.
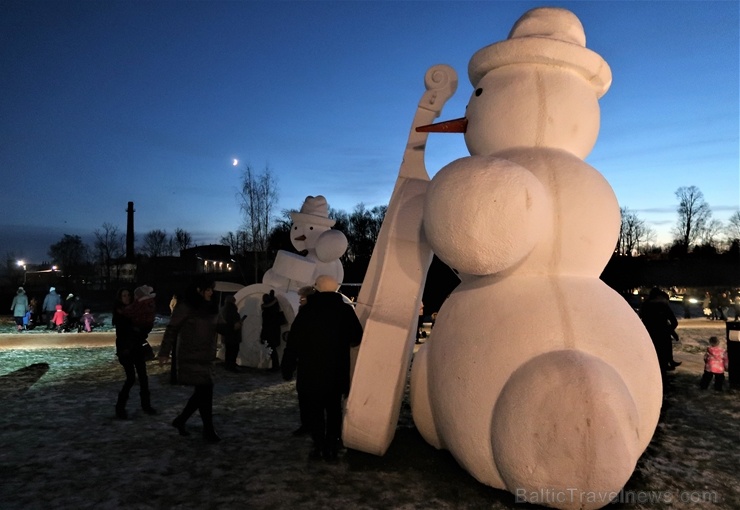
x=103 y=103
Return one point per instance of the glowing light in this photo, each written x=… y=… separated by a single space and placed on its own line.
x=234 y=162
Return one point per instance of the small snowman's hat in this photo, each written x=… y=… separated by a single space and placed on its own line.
x=545 y=35
x=314 y=210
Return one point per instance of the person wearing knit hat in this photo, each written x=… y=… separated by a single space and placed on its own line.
x=318 y=348
x=48 y=307
x=19 y=307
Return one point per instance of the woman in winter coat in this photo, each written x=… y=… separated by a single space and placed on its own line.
x=272 y=321
x=192 y=333
x=19 y=307
x=131 y=356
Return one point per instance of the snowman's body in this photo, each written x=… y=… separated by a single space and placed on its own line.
x=537 y=375
x=540 y=375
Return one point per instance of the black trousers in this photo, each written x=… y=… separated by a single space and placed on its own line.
x=133 y=366
x=323 y=412
x=719 y=380
x=231 y=352
x=202 y=401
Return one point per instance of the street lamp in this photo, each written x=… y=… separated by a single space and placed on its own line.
x=22 y=264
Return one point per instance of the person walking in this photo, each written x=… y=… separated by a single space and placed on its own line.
x=130 y=353
x=49 y=306
x=19 y=307
x=192 y=332
x=318 y=348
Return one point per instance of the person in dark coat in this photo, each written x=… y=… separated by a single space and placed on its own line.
x=318 y=348
x=272 y=321
x=49 y=306
x=76 y=310
x=192 y=332
x=131 y=355
x=232 y=333
x=304 y=294
x=661 y=323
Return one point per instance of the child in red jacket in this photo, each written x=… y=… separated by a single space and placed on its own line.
x=715 y=364
x=59 y=318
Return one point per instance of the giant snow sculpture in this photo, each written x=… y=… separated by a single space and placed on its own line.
x=311 y=233
x=538 y=378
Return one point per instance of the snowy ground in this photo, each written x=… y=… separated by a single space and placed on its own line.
x=61 y=446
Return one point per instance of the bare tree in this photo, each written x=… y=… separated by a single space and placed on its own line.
x=70 y=253
x=711 y=231
x=363 y=227
x=182 y=239
x=732 y=229
x=109 y=245
x=155 y=243
x=236 y=241
x=258 y=197
x=634 y=234
x=693 y=215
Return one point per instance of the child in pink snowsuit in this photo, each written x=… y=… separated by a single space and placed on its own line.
x=88 y=320
x=59 y=318
x=715 y=364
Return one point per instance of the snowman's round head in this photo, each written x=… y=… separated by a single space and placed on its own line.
x=538 y=88
x=308 y=224
x=303 y=234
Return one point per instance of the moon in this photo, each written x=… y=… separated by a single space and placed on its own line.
x=234 y=162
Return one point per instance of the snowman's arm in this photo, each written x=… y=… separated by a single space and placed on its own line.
x=388 y=303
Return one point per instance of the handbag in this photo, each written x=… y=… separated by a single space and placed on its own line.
x=146 y=351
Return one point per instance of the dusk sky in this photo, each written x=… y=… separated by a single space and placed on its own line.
x=108 y=102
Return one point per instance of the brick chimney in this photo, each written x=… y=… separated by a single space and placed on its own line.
x=130 y=233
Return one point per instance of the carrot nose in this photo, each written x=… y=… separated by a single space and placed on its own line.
x=450 y=126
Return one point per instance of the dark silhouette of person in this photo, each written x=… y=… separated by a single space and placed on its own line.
x=304 y=294
x=49 y=306
x=192 y=333
x=661 y=323
x=232 y=333
x=318 y=348
x=131 y=355
x=272 y=321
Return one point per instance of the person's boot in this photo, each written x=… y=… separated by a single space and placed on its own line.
x=121 y=407
x=146 y=404
x=179 y=424
x=209 y=434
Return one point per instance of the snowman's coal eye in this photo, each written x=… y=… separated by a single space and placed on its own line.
x=478 y=92
x=310 y=228
x=295 y=228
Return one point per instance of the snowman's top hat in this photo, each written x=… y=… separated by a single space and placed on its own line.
x=544 y=35
x=314 y=210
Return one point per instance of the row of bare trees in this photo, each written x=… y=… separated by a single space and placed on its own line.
x=694 y=228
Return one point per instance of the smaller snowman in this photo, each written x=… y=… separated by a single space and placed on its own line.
x=311 y=233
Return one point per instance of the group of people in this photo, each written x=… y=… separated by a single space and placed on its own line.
x=660 y=323
x=317 y=353
x=718 y=306
x=60 y=316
